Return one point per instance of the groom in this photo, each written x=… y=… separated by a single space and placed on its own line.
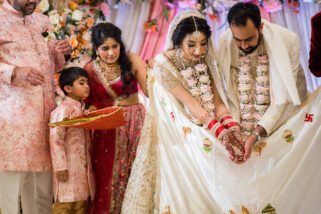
x=260 y=65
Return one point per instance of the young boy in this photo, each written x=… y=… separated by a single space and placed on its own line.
x=73 y=177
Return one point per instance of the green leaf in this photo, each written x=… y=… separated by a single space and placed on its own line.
x=165 y=12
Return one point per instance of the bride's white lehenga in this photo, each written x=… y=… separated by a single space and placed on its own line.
x=181 y=168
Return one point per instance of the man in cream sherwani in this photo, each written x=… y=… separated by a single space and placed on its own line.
x=261 y=70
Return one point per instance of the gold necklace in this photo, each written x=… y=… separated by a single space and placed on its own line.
x=110 y=72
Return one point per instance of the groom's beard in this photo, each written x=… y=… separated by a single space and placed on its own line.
x=251 y=49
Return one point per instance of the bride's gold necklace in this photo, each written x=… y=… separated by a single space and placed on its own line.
x=109 y=71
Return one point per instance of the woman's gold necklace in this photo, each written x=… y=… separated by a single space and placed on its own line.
x=109 y=71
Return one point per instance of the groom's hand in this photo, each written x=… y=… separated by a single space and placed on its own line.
x=249 y=143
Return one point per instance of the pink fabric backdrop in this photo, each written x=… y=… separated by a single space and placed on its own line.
x=154 y=41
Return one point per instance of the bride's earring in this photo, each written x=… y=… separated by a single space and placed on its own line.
x=97 y=55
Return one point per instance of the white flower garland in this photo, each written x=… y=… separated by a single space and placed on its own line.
x=254 y=100
x=199 y=84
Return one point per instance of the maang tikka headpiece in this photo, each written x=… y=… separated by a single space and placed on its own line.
x=196 y=33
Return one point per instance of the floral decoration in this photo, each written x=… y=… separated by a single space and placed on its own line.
x=253 y=107
x=199 y=84
x=74 y=23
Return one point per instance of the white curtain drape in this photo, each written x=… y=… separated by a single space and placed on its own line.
x=130 y=18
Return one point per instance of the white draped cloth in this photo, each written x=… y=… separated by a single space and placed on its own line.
x=181 y=168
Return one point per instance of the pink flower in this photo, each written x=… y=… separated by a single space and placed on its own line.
x=172 y=116
x=191 y=82
x=244 y=78
x=104 y=8
x=262 y=68
x=245 y=68
x=245 y=88
x=263 y=58
x=207 y=97
x=247 y=116
x=204 y=79
x=246 y=107
x=195 y=91
x=205 y=88
x=244 y=97
x=244 y=59
x=262 y=89
x=209 y=106
x=272 y=6
x=262 y=79
x=200 y=67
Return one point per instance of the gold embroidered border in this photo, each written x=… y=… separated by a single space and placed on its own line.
x=82 y=120
x=104 y=82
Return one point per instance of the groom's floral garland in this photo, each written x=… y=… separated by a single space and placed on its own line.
x=254 y=96
x=199 y=85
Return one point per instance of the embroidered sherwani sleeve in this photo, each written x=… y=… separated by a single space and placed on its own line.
x=57 y=142
x=294 y=53
x=6 y=69
x=271 y=117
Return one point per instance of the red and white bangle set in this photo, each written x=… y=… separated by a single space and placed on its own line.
x=217 y=128
x=229 y=123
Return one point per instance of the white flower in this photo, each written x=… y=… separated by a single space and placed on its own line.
x=207 y=97
x=67 y=10
x=191 y=82
x=77 y=15
x=262 y=79
x=262 y=68
x=187 y=72
x=200 y=67
x=87 y=36
x=52 y=36
x=44 y=5
x=52 y=13
x=204 y=79
x=205 y=88
x=209 y=106
x=195 y=91
x=54 y=19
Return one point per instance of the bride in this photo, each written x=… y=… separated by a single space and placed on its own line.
x=182 y=163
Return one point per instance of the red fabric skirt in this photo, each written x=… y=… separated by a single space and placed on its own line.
x=113 y=153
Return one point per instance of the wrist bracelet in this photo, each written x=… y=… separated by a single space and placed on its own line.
x=258 y=137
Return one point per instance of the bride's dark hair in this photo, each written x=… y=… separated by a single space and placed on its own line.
x=103 y=31
x=187 y=26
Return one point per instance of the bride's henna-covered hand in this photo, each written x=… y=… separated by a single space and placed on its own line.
x=234 y=147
